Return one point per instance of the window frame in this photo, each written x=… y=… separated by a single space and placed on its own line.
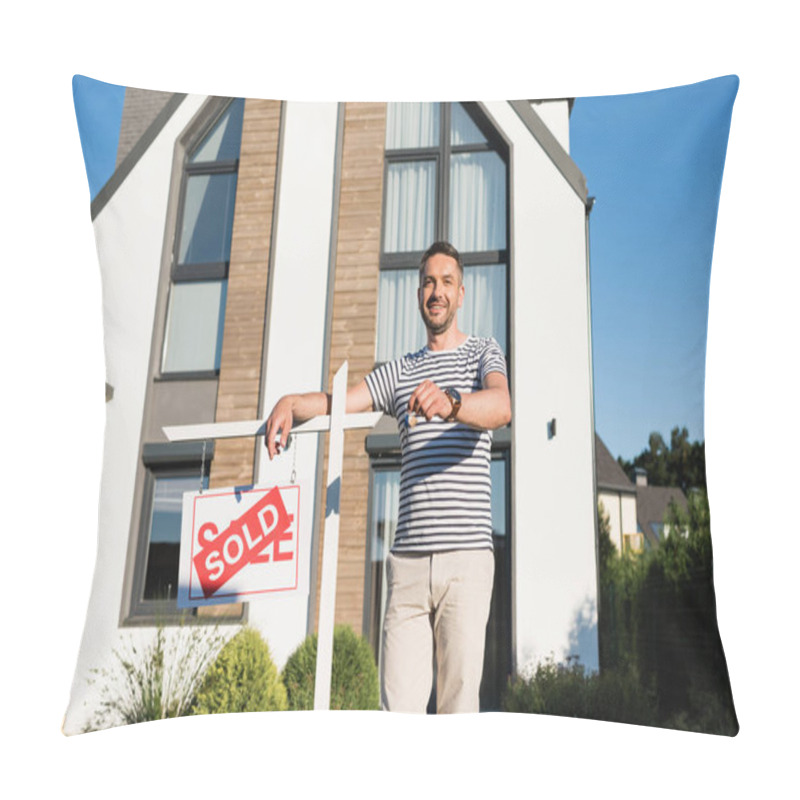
x=182 y=272
x=167 y=460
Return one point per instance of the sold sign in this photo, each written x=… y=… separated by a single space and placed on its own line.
x=236 y=543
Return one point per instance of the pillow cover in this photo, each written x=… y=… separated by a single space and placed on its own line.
x=250 y=248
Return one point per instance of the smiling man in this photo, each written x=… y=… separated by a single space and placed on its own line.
x=447 y=398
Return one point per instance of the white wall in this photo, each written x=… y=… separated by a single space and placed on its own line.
x=629 y=521
x=295 y=335
x=554 y=558
x=129 y=232
x=621 y=509
x=613 y=507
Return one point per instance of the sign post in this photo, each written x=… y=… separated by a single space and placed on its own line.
x=335 y=424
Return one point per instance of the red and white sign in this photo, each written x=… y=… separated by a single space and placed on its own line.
x=236 y=544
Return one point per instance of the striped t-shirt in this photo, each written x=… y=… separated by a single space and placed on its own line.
x=445 y=482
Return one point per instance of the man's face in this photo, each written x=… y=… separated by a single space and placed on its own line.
x=441 y=293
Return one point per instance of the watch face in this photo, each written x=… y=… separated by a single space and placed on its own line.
x=455 y=400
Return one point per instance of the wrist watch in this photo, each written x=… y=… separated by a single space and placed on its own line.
x=454 y=396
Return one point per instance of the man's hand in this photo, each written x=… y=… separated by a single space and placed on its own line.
x=486 y=409
x=293 y=408
x=429 y=401
x=279 y=421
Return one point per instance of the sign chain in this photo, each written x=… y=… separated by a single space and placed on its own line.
x=203 y=465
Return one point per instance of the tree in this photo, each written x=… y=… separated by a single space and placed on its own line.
x=681 y=463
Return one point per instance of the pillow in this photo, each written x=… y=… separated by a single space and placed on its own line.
x=252 y=248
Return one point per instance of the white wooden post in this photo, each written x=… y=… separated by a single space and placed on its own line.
x=330 y=547
x=335 y=424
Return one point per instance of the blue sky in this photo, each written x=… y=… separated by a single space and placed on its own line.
x=98 y=108
x=654 y=162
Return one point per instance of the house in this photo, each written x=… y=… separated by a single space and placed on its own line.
x=636 y=511
x=652 y=504
x=617 y=495
x=250 y=247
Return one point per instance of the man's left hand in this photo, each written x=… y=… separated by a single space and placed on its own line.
x=429 y=401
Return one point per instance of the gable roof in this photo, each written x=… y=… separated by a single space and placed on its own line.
x=652 y=503
x=609 y=473
x=133 y=155
x=552 y=147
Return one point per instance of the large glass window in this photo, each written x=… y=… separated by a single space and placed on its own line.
x=196 y=311
x=384 y=505
x=446 y=178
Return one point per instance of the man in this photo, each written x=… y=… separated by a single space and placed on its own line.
x=446 y=398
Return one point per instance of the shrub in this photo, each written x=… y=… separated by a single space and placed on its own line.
x=156 y=680
x=568 y=691
x=354 y=676
x=242 y=678
x=658 y=627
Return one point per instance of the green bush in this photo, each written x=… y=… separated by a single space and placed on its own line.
x=242 y=678
x=568 y=691
x=354 y=676
x=657 y=622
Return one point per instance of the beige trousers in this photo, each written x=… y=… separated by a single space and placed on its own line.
x=436 y=614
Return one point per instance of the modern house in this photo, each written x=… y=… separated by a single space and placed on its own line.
x=249 y=248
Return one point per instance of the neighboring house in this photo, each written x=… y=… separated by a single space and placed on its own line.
x=252 y=246
x=652 y=504
x=618 y=497
x=636 y=511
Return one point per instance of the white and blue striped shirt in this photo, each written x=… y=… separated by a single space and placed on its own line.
x=445 y=482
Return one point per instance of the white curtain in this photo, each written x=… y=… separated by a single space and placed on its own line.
x=410 y=206
x=386 y=505
x=477 y=201
x=400 y=327
x=484 y=309
x=412 y=125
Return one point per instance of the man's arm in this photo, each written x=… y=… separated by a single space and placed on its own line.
x=293 y=408
x=487 y=409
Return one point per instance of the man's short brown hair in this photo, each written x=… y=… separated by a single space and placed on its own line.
x=445 y=248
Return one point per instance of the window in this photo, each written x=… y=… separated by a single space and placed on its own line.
x=164 y=533
x=446 y=178
x=199 y=276
x=170 y=470
x=382 y=523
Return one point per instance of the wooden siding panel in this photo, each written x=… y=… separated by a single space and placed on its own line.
x=245 y=310
x=355 y=302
